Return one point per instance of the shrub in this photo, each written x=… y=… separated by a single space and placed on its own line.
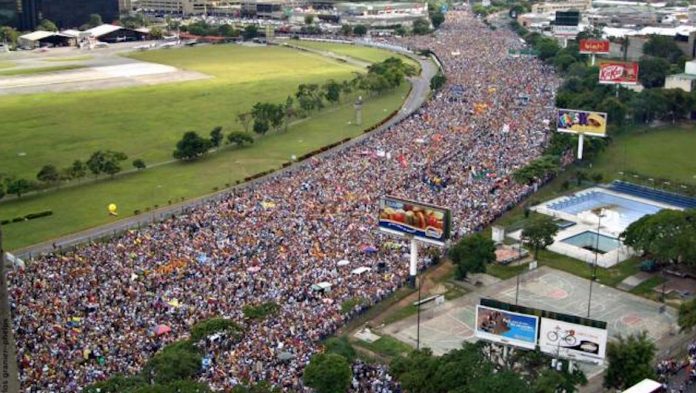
x=211 y=326
x=261 y=311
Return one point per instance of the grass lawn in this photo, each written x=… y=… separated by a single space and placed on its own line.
x=646 y=288
x=660 y=153
x=6 y=64
x=83 y=207
x=72 y=58
x=385 y=346
x=359 y=52
x=146 y=122
x=33 y=71
x=611 y=277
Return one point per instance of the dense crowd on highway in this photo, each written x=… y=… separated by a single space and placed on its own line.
x=93 y=312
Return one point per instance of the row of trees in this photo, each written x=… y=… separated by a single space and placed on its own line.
x=193 y=146
x=312 y=97
x=101 y=162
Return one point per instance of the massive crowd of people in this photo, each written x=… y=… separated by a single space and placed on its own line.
x=94 y=312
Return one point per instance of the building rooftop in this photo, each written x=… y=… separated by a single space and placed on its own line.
x=103 y=29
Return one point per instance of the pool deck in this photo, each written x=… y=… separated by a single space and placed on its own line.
x=605 y=260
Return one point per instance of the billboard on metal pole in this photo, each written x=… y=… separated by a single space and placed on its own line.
x=506 y=327
x=409 y=218
x=590 y=46
x=572 y=341
x=581 y=122
x=615 y=72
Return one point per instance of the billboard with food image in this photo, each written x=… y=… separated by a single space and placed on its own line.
x=420 y=220
x=572 y=341
x=582 y=122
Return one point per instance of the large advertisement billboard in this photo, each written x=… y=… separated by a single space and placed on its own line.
x=582 y=122
x=589 y=46
x=506 y=327
x=422 y=221
x=572 y=341
x=618 y=73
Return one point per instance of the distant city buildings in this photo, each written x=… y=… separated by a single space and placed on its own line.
x=26 y=14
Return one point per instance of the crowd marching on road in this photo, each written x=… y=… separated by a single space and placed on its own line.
x=91 y=313
x=679 y=376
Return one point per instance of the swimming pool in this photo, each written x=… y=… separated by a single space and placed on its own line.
x=588 y=241
x=620 y=212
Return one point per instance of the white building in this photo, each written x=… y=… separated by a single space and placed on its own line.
x=685 y=81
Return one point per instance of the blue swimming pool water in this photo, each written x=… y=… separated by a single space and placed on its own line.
x=629 y=209
x=588 y=240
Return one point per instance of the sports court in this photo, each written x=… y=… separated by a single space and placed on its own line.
x=447 y=326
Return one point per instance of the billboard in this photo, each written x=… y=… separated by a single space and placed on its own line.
x=588 y=47
x=618 y=73
x=506 y=327
x=573 y=341
x=581 y=122
x=565 y=31
x=422 y=221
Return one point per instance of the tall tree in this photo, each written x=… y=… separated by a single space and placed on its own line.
x=48 y=174
x=359 y=30
x=191 y=146
x=9 y=35
x=250 y=32
x=538 y=233
x=47 y=25
x=19 y=187
x=240 y=138
x=332 y=91
x=78 y=170
x=245 y=120
x=662 y=46
x=471 y=254
x=328 y=373
x=687 y=315
x=421 y=26
x=139 y=164
x=94 y=20
x=667 y=236
x=216 y=136
x=679 y=103
x=630 y=361
x=653 y=71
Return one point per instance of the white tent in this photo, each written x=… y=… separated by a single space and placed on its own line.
x=361 y=270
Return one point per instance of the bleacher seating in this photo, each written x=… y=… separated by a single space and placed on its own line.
x=652 y=194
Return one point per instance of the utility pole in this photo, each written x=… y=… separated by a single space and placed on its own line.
x=598 y=212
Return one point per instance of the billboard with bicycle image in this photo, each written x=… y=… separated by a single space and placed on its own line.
x=572 y=341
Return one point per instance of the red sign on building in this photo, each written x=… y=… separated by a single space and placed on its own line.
x=594 y=47
x=618 y=73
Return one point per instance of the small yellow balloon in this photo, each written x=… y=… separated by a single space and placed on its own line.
x=112 y=209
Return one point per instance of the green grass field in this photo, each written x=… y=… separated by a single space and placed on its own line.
x=81 y=207
x=660 y=153
x=65 y=59
x=6 y=64
x=146 y=122
x=37 y=70
x=367 y=54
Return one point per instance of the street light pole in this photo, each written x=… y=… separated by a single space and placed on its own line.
x=419 y=309
x=519 y=257
x=594 y=267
